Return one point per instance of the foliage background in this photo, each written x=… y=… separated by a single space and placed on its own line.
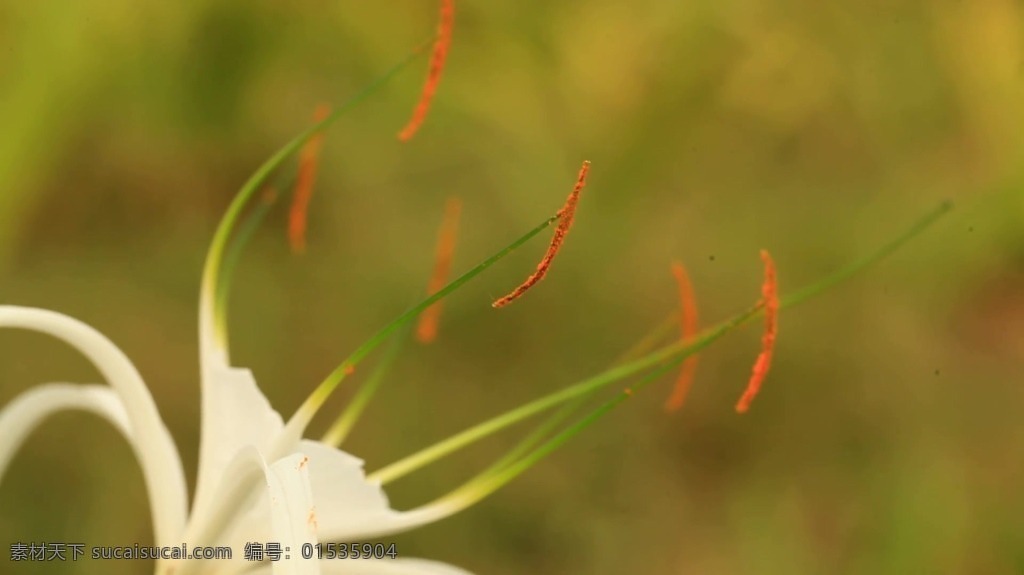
x=888 y=438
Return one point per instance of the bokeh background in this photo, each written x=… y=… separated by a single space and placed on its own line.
x=888 y=437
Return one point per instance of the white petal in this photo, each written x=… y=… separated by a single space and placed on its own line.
x=27 y=411
x=347 y=506
x=345 y=503
x=380 y=567
x=158 y=456
x=235 y=414
x=350 y=508
x=240 y=511
x=292 y=514
x=283 y=512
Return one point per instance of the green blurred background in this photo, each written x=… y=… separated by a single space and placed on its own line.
x=888 y=437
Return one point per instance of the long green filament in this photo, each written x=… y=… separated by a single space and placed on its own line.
x=674 y=352
x=869 y=260
x=587 y=386
x=644 y=345
x=246 y=229
x=305 y=412
x=344 y=423
x=486 y=483
x=341 y=427
x=215 y=256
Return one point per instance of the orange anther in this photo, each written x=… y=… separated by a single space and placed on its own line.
x=770 y=301
x=426 y=331
x=309 y=159
x=688 y=322
x=445 y=25
x=565 y=218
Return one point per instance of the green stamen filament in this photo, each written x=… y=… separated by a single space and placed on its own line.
x=215 y=257
x=644 y=345
x=675 y=353
x=309 y=408
x=341 y=427
x=584 y=388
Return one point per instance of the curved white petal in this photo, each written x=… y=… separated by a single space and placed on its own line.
x=158 y=456
x=239 y=511
x=379 y=567
x=27 y=411
x=350 y=508
x=346 y=504
x=235 y=414
x=282 y=512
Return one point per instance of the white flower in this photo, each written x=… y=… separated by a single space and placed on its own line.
x=257 y=480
